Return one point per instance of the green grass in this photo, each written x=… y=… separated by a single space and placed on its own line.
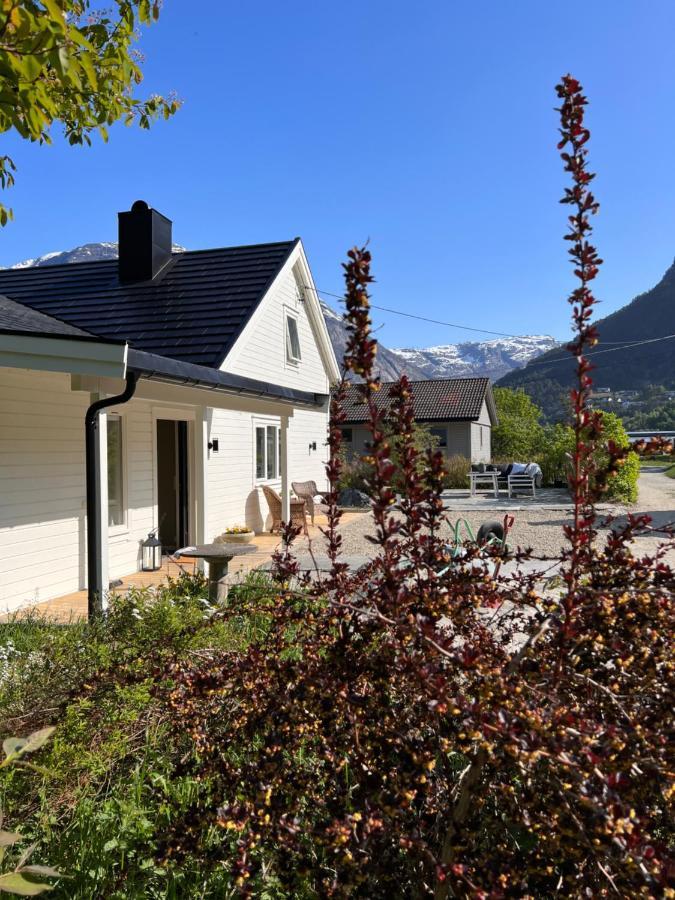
x=657 y=461
x=660 y=462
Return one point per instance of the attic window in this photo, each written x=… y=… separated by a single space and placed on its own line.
x=292 y=340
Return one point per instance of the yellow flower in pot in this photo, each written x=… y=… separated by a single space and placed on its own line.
x=236 y=534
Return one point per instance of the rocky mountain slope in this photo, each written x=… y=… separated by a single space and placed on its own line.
x=491 y=358
x=390 y=365
x=621 y=361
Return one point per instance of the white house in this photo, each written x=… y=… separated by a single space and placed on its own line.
x=201 y=376
x=459 y=412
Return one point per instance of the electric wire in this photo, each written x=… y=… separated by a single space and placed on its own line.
x=623 y=345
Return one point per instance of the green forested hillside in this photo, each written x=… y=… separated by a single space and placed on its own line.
x=650 y=315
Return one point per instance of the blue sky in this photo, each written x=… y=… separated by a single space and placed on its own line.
x=427 y=128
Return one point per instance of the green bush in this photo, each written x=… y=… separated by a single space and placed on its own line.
x=556 y=453
x=519 y=435
x=623 y=485
x=355 y=471
x=558 y=446
x=354 y=475
x=112 y=782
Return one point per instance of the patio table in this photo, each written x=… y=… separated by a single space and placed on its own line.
x=491 y=477
x=217 y=556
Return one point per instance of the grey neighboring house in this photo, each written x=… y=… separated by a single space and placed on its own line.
x=460 y=411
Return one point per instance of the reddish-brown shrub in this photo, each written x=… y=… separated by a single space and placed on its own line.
x=423 y=728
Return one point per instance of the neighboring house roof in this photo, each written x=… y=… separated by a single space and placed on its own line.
x=192 y=311
x=442 y=400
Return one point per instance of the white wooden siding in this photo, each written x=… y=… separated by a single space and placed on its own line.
x=235 y=497
x=481 y=434
x=42 y=488
x=260 y=352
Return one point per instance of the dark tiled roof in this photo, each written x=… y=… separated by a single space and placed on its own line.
x=434 y=401
x=19 y=319
x=194 y=310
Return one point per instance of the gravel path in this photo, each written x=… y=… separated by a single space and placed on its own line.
x=540 y=529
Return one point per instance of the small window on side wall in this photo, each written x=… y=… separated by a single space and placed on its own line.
x=441 y=435
x=292 y=340
x=115 y=471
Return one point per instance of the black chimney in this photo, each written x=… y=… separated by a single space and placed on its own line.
x=144 y=243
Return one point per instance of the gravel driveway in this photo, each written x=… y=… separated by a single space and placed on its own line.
x=539 y=529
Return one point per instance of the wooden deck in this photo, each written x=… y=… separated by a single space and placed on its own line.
x=74 y=606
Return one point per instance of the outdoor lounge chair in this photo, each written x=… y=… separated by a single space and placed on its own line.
x=522 y=483
x=307 y=490
x=298 y=509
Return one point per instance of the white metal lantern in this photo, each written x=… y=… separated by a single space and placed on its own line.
x=152 y=553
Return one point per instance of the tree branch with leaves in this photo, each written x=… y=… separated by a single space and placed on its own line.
x=67 y=62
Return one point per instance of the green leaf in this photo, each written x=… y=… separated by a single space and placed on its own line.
x=38 y=738
x=8 y=838
x=15 y=882
x=54 y=10
x=89 y=71
x=13 y=745
x=37 y=869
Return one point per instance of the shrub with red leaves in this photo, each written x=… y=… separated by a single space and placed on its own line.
x=430 y=727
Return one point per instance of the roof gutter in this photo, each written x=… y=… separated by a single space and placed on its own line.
x=95 y=572
x=63 y=353
x=173 y=371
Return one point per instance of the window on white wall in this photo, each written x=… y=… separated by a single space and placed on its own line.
x=292 y=340
x=267 y=452
x=442 y=435
x=481 y=436
x=115 y=471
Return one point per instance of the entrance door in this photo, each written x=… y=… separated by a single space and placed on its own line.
x=172 y=483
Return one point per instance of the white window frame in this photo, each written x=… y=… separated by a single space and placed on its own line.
x=266 y=423
x=288 y=317
x=123 y=527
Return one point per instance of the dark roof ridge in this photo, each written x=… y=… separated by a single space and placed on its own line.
x=436 y=380
x=113 y=259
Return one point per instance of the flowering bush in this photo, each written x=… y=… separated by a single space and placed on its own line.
x=238 y=529
x=428 y=727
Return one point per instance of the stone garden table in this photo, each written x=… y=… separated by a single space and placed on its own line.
x=217 y=556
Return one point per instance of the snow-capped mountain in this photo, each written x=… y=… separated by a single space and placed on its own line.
x=389 y=366
x=85 y=253
x=493 y=358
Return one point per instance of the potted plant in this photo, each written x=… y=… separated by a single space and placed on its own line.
x=236 y=534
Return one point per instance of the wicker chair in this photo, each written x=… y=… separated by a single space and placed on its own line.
x=298 y=510
x=307 y=491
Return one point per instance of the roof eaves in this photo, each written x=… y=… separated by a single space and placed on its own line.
x=162 y=368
